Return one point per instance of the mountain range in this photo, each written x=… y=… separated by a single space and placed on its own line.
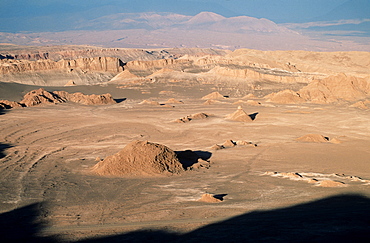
x=58 y=15
x=185 y=23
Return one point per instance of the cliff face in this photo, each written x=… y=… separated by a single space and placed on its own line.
x=158 y=64
x=57 y=53
x=101 y=64
x=262 y=74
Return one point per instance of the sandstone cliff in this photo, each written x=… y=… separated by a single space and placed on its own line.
x=104 y=64
x=262 y=74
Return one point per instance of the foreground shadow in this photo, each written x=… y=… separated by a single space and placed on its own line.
x=2 y=111
x=3 y=147
x=344 y=218
x=23 y=225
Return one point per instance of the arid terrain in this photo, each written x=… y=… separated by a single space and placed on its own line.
x=192 y=145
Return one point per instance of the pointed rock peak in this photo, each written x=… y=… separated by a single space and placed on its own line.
x=240 y=115
x=206 y=17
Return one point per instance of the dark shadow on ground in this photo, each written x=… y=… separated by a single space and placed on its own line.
x=2 y=111
x=3 y=147
x=188 y=157
x=253 y=116
x=120 y=100
x=343 y=218
x=220 y=196
x=23 y=225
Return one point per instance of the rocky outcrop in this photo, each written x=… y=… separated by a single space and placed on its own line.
x=285 y=97
x=327 y=90
x=336 y=87
x=157 y=64
x=140 y=158
x=262 y=74
x=86 y=99
x=42 y=97
x=6 y=104
x=101 y=64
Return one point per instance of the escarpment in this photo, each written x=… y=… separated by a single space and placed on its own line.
x=103 y=64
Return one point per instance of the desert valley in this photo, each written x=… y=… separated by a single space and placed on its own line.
x=183 y=145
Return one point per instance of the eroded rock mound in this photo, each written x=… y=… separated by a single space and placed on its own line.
x=331 y=183
x=70 y=83
x=6 y=104
x=41 y=96
x=285 y=97
x=313 y=138
x=333 y=88
x=230 y=144
x=140 y=158
x=214 y=96
x=86 y=99
x=174 y=101
x=124 y=76
x=197 y=116
x=361 y=104
x=239 y=115
x=209 y=198
x=327 y=90
x=149 y=102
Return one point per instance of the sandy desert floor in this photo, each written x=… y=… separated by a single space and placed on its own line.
x=48 y=192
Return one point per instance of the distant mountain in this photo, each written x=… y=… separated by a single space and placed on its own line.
x=205 y=17
x=63 y=15
x=166 y=21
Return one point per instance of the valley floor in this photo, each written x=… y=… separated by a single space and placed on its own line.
x=48 y=192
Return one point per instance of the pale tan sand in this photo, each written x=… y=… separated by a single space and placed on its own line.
x=53 y=148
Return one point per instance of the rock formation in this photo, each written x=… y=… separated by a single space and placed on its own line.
x=328 y=90
x=42 y=97
x=261 y=74
x=124 y=76
x=197 y=116
x=239 y=115
x=103 y=64
x=313 y=138
x=214 y=96
x=92 y=99
x=6 y=104
x=209 y=198
x=285 y=97
x=140 y=158
x=334 y=88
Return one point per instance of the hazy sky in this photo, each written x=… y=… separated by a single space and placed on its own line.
x=40 y=15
